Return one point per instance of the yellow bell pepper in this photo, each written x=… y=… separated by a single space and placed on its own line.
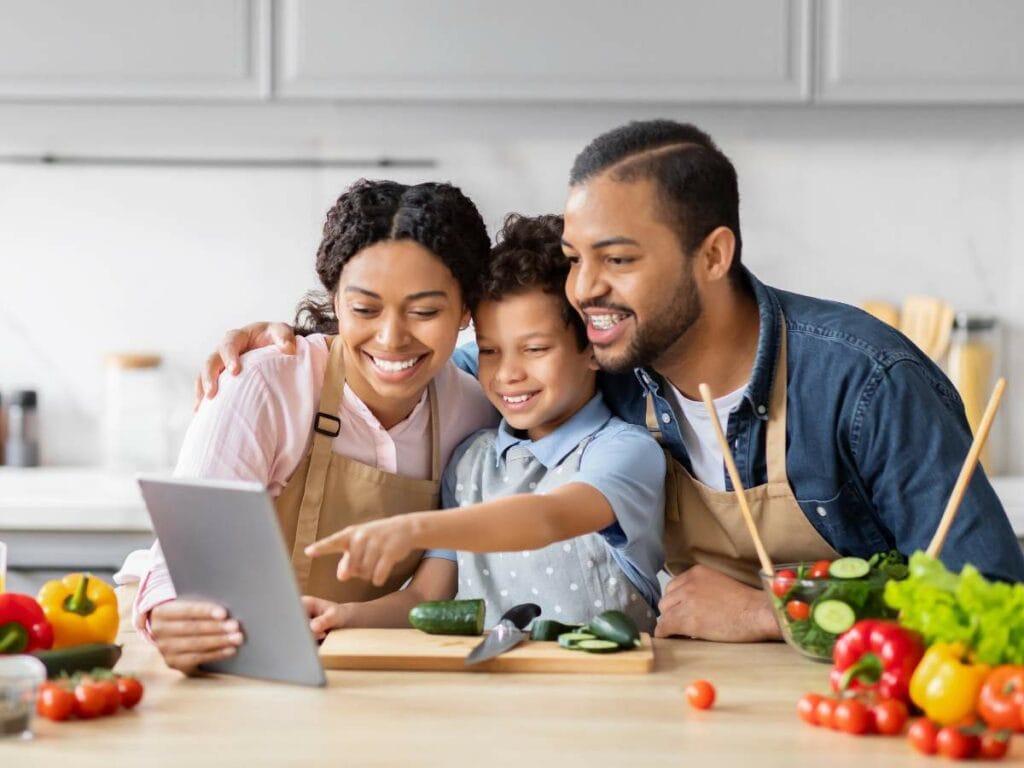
x=944 y=686
x=81 y=608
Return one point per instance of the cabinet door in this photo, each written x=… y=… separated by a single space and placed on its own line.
x=647 y=50
x=111 y=49
x=921 y=51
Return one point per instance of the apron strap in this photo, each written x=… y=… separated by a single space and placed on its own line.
x=775 y=439
x=435 y=433
x=326 y=426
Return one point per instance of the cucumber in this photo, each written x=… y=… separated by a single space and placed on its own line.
x=79 y=658
x=571 y=640
x=833 y=616
x=547 y=630
x=849 y=568
x=449 y=617
x=616 y=627
x=599 y=646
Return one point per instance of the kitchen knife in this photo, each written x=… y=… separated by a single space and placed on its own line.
x=506 y=634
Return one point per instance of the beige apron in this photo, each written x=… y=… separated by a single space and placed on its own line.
x=705 y=526
x=329 y=491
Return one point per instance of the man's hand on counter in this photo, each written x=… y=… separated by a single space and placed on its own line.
x=189 y=633
x=708 y=605
x=234 y=343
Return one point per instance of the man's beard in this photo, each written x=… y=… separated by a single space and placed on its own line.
x=652 y=339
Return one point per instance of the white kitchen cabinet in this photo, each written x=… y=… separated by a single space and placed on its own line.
x=650 y=50
x=920 y=51
x=114 y=49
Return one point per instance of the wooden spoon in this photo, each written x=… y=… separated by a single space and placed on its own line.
x=967 y=470
x=730 y=463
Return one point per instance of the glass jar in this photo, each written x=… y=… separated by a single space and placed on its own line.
x=134 y=414
x=20 y=678
x=973 y=368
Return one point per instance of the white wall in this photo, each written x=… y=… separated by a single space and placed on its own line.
x=843 y=203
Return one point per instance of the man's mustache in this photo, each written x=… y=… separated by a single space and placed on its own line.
x=599 y=304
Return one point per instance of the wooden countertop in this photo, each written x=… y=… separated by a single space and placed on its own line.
x=478 y=719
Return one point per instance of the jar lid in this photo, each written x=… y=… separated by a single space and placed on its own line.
x=133 y=360
x=23 y=397
x=963 y=321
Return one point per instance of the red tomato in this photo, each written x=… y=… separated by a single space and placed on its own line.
x=90 y=700
x=851 y=716
x=826 y=711
x=55 y=702
x=922 y=735
x=131 y=691
x=783 y=582
x=111 y=696
x=807 y=708
x=890 y=717
x=700 y=694
x=819 y=570
x=992 y=747
x=952 y=742
x=798 y=610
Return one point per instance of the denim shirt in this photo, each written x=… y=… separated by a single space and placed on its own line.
x=875 y=435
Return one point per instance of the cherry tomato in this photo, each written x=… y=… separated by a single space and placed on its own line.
x=993 y=746
x=952 y=742
x=825 y=712
x=783 y=582
x=111 y=696
x=922 y=735
x=131 y=691
x=819 y=570
x=851 y=716
x=890 y=717
x=90 y=700
x=807 y=708
x=798 y=610
x=55 y=702
x=700 y=694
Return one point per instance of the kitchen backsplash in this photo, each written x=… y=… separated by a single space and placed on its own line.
x=848 y=204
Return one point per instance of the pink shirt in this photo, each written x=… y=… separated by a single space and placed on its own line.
x=259 y=428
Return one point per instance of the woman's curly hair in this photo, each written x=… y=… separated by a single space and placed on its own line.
x=435 y=215
x=528 y=255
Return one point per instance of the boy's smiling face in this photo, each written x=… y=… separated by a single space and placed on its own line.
x=531 y=366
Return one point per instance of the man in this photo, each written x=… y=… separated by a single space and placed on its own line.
x=848 y=440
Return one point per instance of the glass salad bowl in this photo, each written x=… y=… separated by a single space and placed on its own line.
x=814 y=603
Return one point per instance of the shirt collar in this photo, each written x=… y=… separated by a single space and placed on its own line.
x=758 y=392
x=552 y=449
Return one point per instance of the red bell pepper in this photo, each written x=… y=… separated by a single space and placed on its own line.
x=876 y=656
x=23 y=625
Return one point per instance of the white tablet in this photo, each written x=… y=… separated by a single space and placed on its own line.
x=223 y=543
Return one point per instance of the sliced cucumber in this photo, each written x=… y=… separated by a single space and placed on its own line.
x=833 y=616
x=598 y=646
x=617 y=627
x=449 y=617
x=571 y=640
x=849 y=568
x=549 y=630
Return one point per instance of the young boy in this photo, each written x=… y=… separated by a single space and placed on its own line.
x=562 y=505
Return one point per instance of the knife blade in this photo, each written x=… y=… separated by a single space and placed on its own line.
x=505 y=635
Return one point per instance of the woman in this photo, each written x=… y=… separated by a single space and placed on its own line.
x=354 y=426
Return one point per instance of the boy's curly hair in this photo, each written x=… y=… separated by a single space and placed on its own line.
x=528 y=255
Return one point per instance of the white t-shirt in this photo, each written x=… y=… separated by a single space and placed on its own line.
x=699 y=435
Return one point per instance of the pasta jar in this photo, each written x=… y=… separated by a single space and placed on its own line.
x=973 y=367
x=135 y=413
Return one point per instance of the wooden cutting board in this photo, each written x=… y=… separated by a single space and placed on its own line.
x=414 y=650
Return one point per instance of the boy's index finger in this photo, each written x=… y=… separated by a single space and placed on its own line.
x=336 y=542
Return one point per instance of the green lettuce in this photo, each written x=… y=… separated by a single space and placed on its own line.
x=986 y=616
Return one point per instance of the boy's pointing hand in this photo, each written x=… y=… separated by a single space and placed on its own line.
x=369 y=551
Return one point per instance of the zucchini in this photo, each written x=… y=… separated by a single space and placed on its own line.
x=833 y=616
x=599 y=646
x=449 y=617
x=571 y=640
x=79 y=658
x=546 y=630
x=849 y=568
x=616 y=627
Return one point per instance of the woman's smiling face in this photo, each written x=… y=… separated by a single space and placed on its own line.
x=399 y=310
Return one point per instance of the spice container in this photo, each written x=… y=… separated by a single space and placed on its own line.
x=973 y=367
x=134 y=414
x=20 y=678
x=21 y=445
